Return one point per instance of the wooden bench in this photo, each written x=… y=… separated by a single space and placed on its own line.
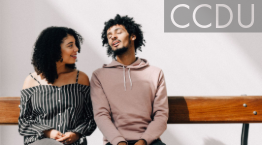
x=183 y=110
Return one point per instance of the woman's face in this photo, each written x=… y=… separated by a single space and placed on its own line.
x=69 y=50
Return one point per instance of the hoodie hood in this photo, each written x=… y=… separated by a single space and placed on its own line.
x=138 y=64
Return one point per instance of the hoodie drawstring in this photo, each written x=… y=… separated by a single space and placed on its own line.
x=124 y=73
x=124 y=77
x=130 y=78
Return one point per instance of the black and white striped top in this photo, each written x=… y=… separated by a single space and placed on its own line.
x=66 y=108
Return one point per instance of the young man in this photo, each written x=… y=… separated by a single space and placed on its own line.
x=129 y=96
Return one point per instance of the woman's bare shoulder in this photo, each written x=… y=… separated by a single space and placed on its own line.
x=30 y=82
x=83 y=78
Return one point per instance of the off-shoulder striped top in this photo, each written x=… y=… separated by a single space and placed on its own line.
x=66 y=108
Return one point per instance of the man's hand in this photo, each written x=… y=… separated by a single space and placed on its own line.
x=69 y=138
x=122 y=143
x=141 y=142
x=52 y=133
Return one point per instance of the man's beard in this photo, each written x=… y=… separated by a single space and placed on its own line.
x=119 y=51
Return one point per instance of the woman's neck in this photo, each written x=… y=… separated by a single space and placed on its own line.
x=62 y=68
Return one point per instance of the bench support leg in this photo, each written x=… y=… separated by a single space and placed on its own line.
x=244 y=135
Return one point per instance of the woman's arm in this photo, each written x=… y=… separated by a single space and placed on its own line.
x=27 y=123
x=89 y=125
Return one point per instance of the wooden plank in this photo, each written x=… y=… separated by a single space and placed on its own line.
x=9 y=110
x=189 y=109
x=224 y=109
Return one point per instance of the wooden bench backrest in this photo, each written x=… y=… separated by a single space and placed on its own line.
x=9 y=110
x=188 y=109
x=224 y=109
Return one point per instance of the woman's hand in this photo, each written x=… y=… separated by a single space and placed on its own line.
x=54 y=134
x=69 y=138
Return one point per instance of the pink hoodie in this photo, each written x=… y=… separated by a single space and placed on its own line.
x=129 y=102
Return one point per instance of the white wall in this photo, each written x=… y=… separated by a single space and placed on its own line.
x=1 y=3
x=193 y=63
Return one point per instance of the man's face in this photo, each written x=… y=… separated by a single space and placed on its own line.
x=118 y=38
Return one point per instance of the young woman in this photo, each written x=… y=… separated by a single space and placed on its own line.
x=55 y=100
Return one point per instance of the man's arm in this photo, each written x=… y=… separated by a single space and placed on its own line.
x=160 y=113
x=102 y=112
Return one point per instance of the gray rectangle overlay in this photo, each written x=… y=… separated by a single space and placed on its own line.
x=212 y=16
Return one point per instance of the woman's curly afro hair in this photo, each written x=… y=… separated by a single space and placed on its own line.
x=47 y=51
x=131 y=27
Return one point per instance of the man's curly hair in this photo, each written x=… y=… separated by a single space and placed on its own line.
x=47 y=51
x=131 y=27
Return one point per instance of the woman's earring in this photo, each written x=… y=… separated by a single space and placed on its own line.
x=61 y=60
